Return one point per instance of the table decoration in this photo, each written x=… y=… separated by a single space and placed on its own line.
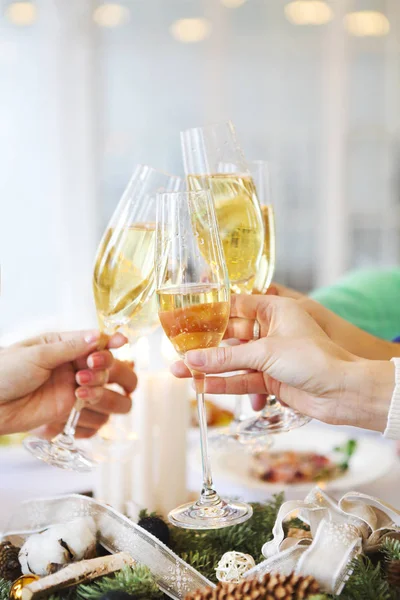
x=233 y=565
x=188 y=567
x=270 y=587
x=10 y=568
x=72 y=574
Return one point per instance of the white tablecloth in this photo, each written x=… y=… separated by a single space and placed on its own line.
x=23 y=477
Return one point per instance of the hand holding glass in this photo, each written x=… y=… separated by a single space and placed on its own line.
x=123 y=285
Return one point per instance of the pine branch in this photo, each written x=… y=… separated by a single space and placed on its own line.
x=367 y=582
x=4 y=589
x=247 y=537
x=391 y=548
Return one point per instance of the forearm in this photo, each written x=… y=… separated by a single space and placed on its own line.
x=368 y=393
x=367 y=346
x=355 y=340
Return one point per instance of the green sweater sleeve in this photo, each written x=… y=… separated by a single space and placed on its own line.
x=369 y=299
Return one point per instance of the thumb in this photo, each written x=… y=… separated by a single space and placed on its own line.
x=227 y=358
x=53 y=350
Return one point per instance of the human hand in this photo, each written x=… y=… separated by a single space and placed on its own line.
x=295 y=361
x=345 y=334
x=39 y=377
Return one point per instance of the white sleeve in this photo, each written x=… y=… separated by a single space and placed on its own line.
x=392 y=430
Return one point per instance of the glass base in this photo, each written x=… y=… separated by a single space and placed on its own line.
x=278 y=420
x=228 y=438
x=203 y=515
x=60 y=452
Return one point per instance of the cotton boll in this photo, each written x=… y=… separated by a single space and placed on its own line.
x=79 y=536
x=39 y=551
x=43 y=552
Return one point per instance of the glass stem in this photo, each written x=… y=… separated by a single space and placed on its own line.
x=208 y=494
x=270 y=404
x=70 y=425
x=237 y=415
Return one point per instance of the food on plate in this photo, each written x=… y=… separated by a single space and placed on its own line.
x=216 y=416
x=291 y=466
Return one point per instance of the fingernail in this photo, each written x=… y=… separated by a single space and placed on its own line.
x=91 y=337
x=83 y=378
x=196 y=358
x=95 y=361
x=82 y=393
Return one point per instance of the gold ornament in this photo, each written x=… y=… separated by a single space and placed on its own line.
x=233 y=565
x=270 y=587
x=19 y=584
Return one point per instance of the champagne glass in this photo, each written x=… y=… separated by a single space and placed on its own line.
x=193 y=306
x=274 y=418
x=213 y=159
x=123 y=284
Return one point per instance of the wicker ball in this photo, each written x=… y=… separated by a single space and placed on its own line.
x=233 y=565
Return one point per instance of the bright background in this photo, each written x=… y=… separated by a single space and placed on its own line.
x=89 y=89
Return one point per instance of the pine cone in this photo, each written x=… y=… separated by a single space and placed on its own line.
x=393 y=572
x=270 y=587
x=10 y=568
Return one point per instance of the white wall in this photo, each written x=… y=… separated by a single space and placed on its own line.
x=79 y=106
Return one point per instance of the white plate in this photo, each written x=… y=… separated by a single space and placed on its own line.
x=372 y=459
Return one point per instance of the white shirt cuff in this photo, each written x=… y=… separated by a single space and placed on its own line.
x=392 y=430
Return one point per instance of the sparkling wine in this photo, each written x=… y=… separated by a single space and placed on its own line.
x=124 y=274
x=144 y=321
x=267 y=263
x=194 y=315
x=240 y=224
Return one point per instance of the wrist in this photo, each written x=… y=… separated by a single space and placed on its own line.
x=369 y=386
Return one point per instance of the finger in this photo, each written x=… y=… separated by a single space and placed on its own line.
x=258 y=401
x=278 y=289
x=249 y=383
x=53 y=337
x=228 y=358
x=92 y=419
x=123 y=374
x=114 y=403
x=179 y=369
x=56 y=349
x=106 y=401
x=50 y=431
x=101 y=359
x=117 y=340
x=247 y=306
x=83 y=433
x=240 y=329
x=272 y=291
x=92 y=378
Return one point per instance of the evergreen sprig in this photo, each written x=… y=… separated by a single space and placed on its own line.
x=391 y=548
x=4 y=589
x=367 y=582
x=203 y=550
x=194 y=546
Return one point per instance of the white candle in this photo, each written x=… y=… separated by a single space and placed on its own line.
x=142 y=489
x=172 y=420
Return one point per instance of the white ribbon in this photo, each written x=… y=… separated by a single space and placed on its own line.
x=340 y=531
x=116 y=533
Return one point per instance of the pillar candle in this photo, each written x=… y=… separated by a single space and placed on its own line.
x=172 y=423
